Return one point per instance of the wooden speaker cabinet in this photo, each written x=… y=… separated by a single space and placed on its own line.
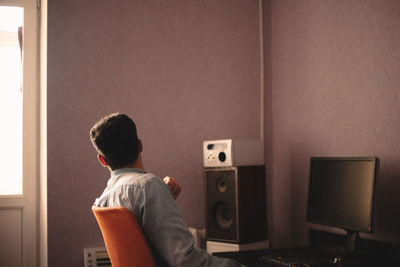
x=235 y=205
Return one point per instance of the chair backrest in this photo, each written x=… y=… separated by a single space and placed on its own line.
x=123 y=237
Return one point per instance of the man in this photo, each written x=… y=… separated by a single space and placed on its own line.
x=150 y=198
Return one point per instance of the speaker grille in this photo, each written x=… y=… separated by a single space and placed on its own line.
x=221 y=204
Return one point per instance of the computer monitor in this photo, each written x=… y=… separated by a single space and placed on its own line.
x=341 y=194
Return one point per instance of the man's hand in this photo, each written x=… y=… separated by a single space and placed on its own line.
x=173 y=185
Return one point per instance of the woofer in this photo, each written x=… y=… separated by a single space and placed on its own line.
x=223 y=215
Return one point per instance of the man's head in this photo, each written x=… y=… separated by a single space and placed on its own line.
x=115 y=139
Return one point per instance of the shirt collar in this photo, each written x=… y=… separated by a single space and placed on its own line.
x=125 y=170
x=118 y=172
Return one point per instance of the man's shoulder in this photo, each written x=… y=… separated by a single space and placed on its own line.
x=137 y=179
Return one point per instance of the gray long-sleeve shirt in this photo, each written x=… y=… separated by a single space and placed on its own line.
x=152 y=203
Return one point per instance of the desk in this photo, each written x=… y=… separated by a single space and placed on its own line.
x=376 y=258
x=248 y=257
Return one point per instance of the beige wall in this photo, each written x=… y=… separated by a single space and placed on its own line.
x=334 y=82
x=186 y=71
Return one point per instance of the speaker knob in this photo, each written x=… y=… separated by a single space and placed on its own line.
x=222 y=156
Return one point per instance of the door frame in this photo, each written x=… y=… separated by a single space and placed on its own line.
x=33 y=202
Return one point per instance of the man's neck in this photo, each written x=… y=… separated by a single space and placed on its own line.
x=138 y=164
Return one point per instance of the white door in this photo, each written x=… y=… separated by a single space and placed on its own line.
x=19 y=133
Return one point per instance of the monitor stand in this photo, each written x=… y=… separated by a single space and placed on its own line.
x=352 y=241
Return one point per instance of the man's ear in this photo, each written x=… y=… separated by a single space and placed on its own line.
x=140 y=146
x=102 y=160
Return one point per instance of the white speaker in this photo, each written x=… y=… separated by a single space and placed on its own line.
x=231 y=152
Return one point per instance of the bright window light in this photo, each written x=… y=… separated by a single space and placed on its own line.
x=10 y=101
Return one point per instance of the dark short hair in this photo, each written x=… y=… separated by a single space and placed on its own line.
x=115 y=138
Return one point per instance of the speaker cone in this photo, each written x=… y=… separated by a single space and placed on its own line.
x=223 y=215
x=222 y=185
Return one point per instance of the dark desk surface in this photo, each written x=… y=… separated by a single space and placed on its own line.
x=380 y=258
x=374 y=253
x=249 y=258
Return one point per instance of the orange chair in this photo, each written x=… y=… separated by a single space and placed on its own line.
x=125 y=242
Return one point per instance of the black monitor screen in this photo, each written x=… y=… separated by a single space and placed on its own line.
x=341 y=192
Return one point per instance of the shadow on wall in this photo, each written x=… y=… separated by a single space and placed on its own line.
x=300 y=154
x=387 y=197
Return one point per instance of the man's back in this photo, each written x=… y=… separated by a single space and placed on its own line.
x=152 y=203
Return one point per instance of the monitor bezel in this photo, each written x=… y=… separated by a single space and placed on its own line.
x=348 y=228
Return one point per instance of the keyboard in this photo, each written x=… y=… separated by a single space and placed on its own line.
x=304 y=257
